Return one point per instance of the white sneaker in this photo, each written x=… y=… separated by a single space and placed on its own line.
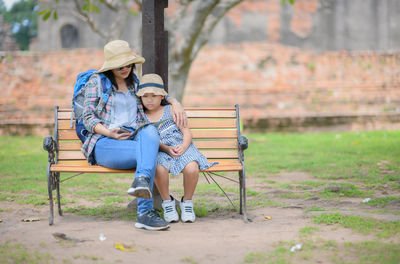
x=187 y=211
x=170 y=213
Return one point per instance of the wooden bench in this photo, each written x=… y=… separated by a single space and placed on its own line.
x=216 y=133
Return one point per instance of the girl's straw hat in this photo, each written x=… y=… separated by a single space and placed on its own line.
x=151 y=83
x=117 y=53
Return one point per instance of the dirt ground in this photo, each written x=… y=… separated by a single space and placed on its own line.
x=218 y=238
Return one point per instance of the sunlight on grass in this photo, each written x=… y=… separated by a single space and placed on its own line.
x=327 y=155
x=364 y=225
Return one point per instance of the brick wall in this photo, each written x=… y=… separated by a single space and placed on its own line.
x=266 y=80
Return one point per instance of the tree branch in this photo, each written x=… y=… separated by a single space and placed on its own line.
x=189 y=29
x=89 y=20
x=212 y=20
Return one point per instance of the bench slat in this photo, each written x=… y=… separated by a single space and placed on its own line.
x=210 y=113
x=84 y=163
x=64 y=115
x=204 y=134
x=218 y=154
x=190 y=112
x=211 y=144
x=65 y=124
x=100 y=169
x=213 y=134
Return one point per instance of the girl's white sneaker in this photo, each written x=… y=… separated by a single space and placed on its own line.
x=170 y=213
x=187 y=211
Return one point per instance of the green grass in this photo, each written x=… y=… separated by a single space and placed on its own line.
x=350 y=155
x=345 y=190
x=313 y=250
x=364 y=225
x=382 y=201
x=314 y=209
x=104 y=212
x=371 y=252
x=308 y=230
x=360 y=157
x=17 y=253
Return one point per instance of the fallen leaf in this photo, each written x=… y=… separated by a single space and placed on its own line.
x=123 y=247
x=267 y=217
x=32 y=219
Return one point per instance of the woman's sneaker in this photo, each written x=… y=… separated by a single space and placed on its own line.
x=150 y=220
x=187 y=211
x=170 y=213
x=140 y=187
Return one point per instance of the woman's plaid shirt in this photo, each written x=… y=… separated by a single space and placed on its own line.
x=97 y=111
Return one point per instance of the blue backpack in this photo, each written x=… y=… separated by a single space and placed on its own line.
x=78 y=99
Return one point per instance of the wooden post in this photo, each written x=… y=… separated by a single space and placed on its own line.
x=155 y=39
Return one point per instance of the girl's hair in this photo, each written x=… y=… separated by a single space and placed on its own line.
x=129 y=80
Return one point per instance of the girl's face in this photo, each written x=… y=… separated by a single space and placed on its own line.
x=123 y=72
x=152 y=101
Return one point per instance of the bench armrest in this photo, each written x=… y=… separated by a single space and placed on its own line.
x=51 y=147
x=243 y=142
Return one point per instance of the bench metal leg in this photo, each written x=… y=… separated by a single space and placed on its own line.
x=243 y=209
x=57 y=179
x=50 y=190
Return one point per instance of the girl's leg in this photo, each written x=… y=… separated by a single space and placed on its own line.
x=190 y=179
x=161 y=180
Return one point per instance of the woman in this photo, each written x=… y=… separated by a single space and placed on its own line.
x=111 y=146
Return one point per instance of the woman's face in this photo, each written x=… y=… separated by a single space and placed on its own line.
x=122 y=72
x=151 y=101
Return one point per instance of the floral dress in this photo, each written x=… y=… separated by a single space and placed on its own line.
x=171 y=135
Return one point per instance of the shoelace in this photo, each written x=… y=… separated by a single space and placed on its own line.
x=188 y=209
x=169 y=208
x=152 y=213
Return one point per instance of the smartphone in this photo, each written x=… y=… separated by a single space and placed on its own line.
x=123 y=130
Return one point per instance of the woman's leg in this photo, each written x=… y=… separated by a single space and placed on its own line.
x=126 y=154
x=190 y=179
x=161 y=180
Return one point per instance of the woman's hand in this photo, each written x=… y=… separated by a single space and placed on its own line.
x=119 y=134
x=178 y=112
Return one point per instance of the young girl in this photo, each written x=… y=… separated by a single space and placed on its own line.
x=176 y=153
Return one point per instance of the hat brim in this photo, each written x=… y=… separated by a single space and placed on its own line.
x=153 y=90
x=121 y=63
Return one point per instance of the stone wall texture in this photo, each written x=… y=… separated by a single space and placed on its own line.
x=266 y=80
x=332 y=61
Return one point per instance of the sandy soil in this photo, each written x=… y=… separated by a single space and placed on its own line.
x=222 y=238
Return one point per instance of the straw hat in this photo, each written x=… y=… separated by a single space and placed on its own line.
x=117 y=53
x=151 y=83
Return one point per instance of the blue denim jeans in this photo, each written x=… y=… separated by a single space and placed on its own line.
x=139 y=152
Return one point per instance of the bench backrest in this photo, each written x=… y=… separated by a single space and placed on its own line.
x=214 y=130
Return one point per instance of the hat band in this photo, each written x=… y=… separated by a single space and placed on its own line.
x=152 y=85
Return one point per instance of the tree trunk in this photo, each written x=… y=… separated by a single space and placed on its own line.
x=177 y=80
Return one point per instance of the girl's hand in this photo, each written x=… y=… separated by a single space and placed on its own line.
x=180 y=149
x=119 y=134
x=173 y=151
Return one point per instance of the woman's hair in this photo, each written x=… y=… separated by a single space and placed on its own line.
x=129 y=80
